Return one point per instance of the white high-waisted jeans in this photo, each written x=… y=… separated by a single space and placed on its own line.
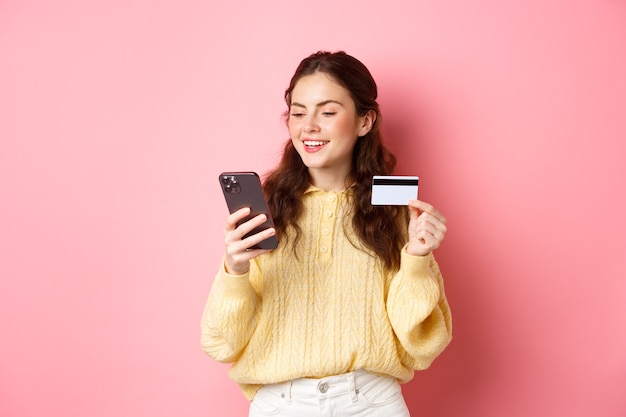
x=355 y=394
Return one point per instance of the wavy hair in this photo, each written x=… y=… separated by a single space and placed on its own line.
x=381 y=229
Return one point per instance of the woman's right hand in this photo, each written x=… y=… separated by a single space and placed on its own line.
x=238 y=252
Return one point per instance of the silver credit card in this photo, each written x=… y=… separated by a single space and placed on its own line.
x=394 y=190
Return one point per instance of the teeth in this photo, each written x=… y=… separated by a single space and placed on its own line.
x=314 y=142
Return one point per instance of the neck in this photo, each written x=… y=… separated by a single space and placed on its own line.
x=329 y=180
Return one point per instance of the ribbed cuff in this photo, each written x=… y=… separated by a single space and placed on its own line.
x=414 y=265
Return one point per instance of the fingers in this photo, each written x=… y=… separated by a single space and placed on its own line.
x=424 y=207
x=429 y=224
x=427 y=228
x=427 y=216
x=236 y=217
x=238 y=252
x=238 y=232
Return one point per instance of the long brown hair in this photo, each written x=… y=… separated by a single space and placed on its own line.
x=381 y=229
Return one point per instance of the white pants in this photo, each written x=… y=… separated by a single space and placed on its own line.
x=358 y=394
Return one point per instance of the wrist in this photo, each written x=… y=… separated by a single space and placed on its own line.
x=236 y=270
x=413 y=251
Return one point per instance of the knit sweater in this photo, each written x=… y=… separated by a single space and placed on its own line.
x=330 y=309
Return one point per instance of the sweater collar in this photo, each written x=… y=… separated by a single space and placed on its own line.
x=313 y=189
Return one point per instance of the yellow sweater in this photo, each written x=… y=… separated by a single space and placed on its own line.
x=331 y=310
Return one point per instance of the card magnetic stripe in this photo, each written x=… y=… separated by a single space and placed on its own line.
x=400 y=181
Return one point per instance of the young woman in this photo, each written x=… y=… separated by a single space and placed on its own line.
x=352 y=301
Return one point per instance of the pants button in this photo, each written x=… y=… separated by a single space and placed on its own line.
x=323 y=388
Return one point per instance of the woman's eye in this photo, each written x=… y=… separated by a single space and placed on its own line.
x=297 y=114
x=329 y=113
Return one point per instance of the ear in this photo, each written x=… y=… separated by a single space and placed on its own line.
x=367 y=122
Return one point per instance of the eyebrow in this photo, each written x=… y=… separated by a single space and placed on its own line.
x=320 y=104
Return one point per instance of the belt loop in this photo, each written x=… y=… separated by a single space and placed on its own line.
x=285 y=391
x=351 y=386
x=289 y=389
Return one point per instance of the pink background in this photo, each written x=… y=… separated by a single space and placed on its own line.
x=117 y=116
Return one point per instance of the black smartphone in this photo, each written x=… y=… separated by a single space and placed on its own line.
x=243 y=189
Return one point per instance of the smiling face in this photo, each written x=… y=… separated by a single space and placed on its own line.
x=324 y=128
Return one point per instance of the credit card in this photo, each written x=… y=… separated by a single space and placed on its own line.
x=394 y=190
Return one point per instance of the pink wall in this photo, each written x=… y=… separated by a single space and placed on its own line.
x=116 y=117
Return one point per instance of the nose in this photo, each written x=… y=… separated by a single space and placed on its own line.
x=311 y=125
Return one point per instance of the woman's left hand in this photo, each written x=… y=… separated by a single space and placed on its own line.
x=427 y=228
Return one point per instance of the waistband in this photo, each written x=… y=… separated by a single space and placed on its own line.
x=325 y=387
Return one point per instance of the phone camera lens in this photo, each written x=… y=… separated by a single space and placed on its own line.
x=230 y=184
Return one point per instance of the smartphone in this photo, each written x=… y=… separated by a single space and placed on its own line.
x=243 y=189
x=393 y=190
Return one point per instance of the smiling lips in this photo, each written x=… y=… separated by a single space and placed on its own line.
x=314 y=145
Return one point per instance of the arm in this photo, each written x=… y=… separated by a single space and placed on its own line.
x=232 y=309
x=418 y=310
x=416 y=303
x=230 y=315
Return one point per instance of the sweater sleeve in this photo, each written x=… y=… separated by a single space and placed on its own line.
x=230 y=315
x=418 y=310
